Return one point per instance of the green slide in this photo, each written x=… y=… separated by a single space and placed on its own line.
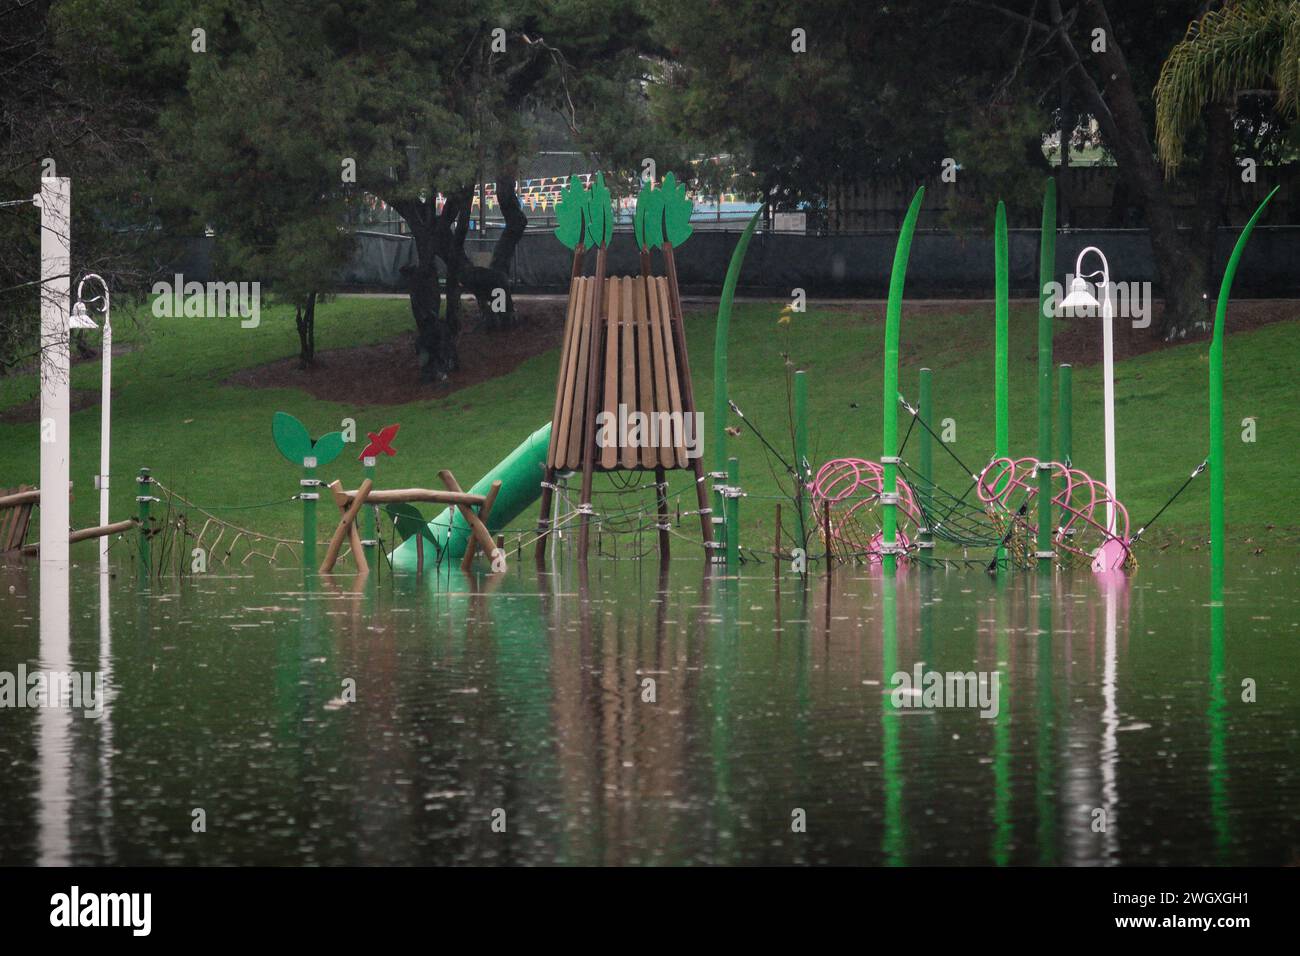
x=520 y=474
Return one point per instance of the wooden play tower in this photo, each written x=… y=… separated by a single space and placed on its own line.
x=624 y=352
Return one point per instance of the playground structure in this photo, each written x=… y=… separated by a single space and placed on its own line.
x=623 y=358
x=624 y=354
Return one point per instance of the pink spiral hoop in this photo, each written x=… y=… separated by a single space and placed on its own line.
x=1080 y=499
x=852 y=486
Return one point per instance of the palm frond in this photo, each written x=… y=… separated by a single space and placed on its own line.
x=1251 y=44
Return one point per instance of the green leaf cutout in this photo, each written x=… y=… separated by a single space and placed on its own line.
x=571 y=214
x=677 y=211
x=648 y=220
x=408 y=521
x=600 y=226
x=328 y=447
x=291 y=437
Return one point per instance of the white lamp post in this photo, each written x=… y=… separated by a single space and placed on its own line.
x=1081 y=300
x=81 y=320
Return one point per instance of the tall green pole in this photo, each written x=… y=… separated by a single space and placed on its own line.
x=1067 y=423
x=733 y=514
x=720 y=395
x=1217 y=519
x=309 y=496
x=1046 y=275
x=801 y=451
x=142 y=500
x=926 y=459
x=893 y=317
x=368 y=517
x=1001 y=343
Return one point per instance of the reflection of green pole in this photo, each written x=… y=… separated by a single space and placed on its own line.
x=1001 y=343
x=1046 y=726
x=1002 y=736
x=801 y=463
x=1046 y=274
x=890 y=760
x=720 y=395
x=1066 y=420
x=926 y=458
x=733 y=514
x=1217 y=720
x=893 y=317
x=1217 y=520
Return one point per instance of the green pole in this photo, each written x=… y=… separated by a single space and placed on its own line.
x=926 y=458
x=733 y=514
x=1067 y=429
x=368 y=517
x=1217 y=517
x=1001 y=343
x=309 y=496
x=894 y=840
x=801 y=463
x=1046 y=274
x=893 y=317
x=142 y=500
x=720 y=395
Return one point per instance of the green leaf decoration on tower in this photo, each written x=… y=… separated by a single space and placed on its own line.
x=648 y=220
x=571 y=214
x=600 y=210
x=677 y=211
x=294 y=441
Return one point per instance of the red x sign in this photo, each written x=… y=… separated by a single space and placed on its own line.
x=381 y=442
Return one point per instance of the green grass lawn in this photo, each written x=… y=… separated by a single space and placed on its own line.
x=212 y=442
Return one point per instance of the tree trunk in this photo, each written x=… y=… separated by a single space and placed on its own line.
x=434 y=347
x=305 y=319
x=495 y=308
x=1181 y=264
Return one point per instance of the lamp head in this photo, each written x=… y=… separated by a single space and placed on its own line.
x=80 y=318
x=1080 y=299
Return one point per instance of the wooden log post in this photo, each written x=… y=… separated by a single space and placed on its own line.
x=477 y=528
x=484 y=511
x=346 y=527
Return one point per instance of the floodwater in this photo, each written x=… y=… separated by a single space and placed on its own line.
x=630 y=718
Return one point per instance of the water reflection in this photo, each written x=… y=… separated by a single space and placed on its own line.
x=631 y=713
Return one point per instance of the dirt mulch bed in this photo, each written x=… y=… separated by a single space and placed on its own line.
x=30 y=410
x=387 y=373
x=1078 y=341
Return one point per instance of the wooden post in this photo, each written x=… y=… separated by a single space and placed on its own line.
x=483 y=512
x=477 y=528
x=826 y=531
x=676 y=322
x=776 y=550
x=346 y=528
x=661 y=500
x=599 y=320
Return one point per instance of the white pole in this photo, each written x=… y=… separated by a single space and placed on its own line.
x=1109 y=345
x=56 y=264
x=105 y=418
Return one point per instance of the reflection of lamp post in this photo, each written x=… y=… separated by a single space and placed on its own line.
x=1081 y=300
x=81 y=320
